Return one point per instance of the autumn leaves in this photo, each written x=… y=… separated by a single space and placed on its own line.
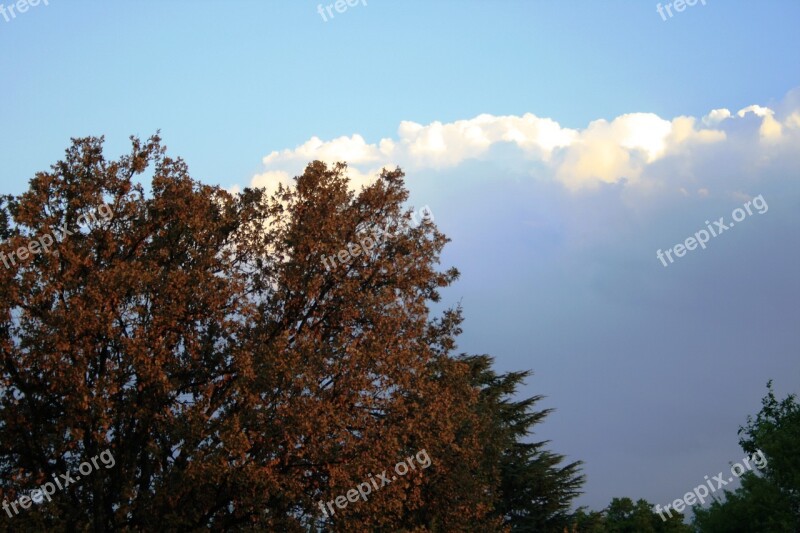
x=365 y=244
x=237 y=383
x=45 y=241
x=365 y=489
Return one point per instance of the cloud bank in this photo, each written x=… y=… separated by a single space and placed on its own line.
x=555 y=231
x=628 y=150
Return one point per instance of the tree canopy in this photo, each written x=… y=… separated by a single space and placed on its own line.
x=768 y=500
x=198 y=337
x=624 y=516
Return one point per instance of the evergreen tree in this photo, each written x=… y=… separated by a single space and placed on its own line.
x=534 y=489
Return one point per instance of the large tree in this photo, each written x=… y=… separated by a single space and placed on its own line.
x=203 y=339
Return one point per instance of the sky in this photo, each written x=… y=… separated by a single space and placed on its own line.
x=560 y=145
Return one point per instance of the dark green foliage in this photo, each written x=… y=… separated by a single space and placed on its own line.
x=769 y=501
x=535 y=489
x=624 y=516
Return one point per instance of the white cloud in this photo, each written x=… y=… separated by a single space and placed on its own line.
x=771 y=129
x=445 y=145
x=353 y=149
x=757 y=110
x=684 y=132
x=716 y=116
x=619 y=151
x=271 y=179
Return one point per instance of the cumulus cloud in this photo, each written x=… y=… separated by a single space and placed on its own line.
x=271 y=180
x=604 y=152
x=445 y=145
x=716 y=116
x=770 y=129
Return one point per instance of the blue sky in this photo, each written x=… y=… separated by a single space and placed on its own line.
x=228 y=82
x=555 y=216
